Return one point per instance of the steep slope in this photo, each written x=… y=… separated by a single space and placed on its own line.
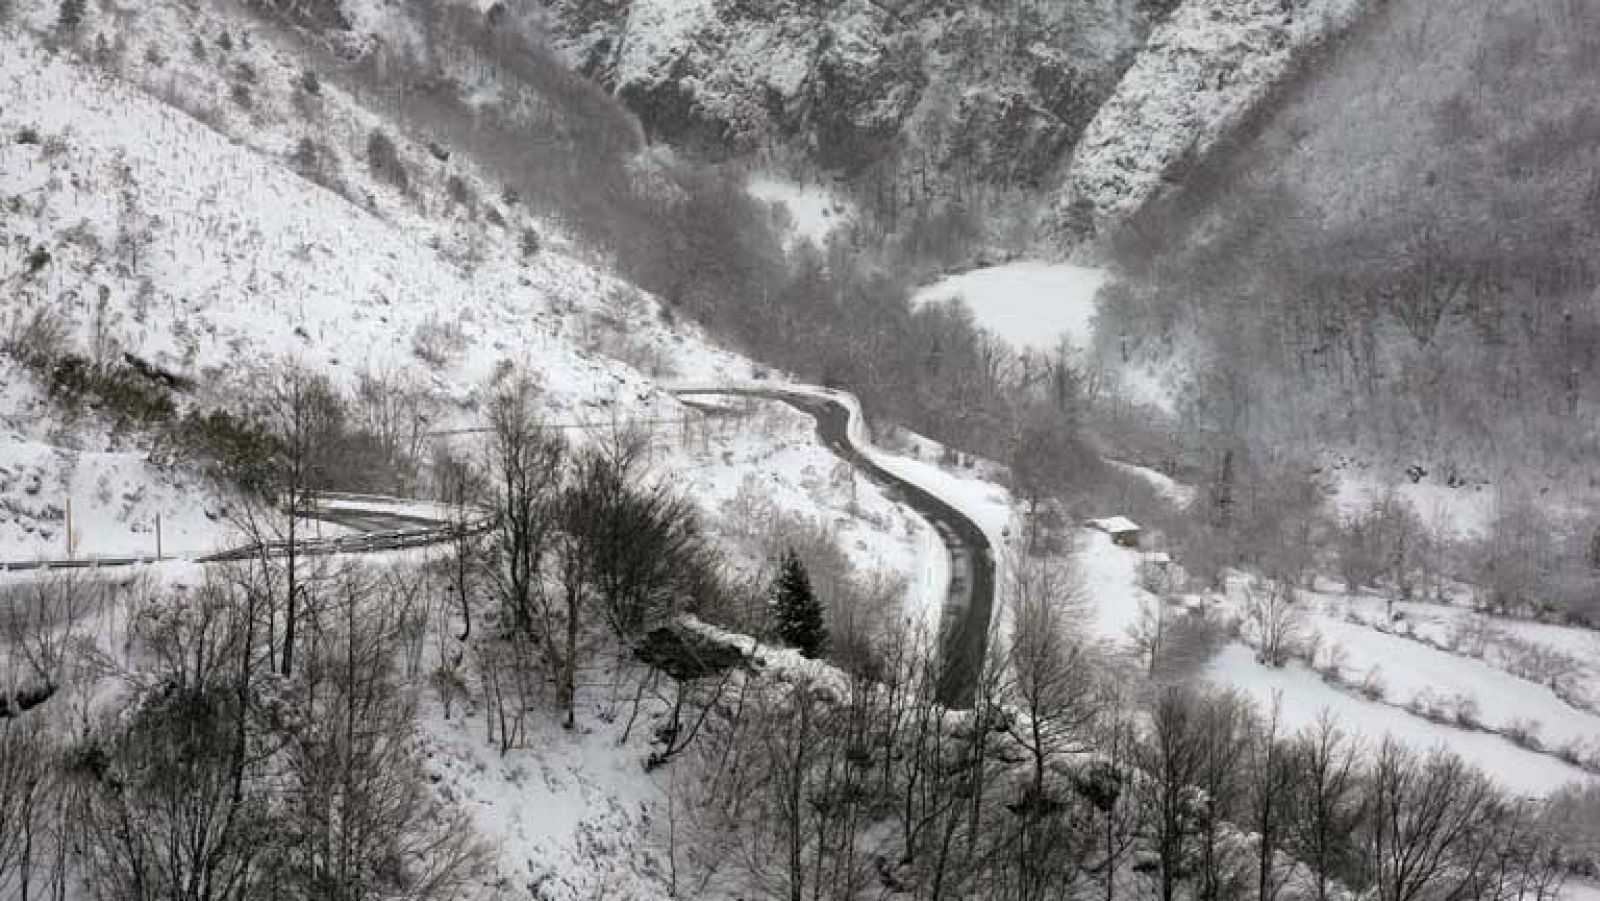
x=1103 y=105
x=154 y=209
x=994 y=94
x=1204 y=71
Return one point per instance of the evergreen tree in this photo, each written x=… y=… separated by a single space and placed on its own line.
x=71 y=16
x=796 y=609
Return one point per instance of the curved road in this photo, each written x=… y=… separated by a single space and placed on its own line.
x=969 y=607
x=375 y=528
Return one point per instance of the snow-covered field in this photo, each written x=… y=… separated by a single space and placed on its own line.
x=1427 y=696
x=1302 y=696
x=1464 y=511
x=1110 y=583
x=1031 y=304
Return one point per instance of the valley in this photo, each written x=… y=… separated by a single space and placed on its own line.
x=1027 y=451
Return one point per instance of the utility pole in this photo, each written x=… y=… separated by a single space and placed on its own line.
x=72 y=544
x=158 y=536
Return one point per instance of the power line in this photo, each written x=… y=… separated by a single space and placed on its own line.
x=567 y=425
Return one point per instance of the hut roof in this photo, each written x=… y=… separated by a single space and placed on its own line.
x=1114 y=525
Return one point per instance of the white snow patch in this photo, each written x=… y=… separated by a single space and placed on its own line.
x=1465 y=512
x=658 y=31
x=1031 y=304
x=1165 y=485
x=814 y=212
x=1111 y=588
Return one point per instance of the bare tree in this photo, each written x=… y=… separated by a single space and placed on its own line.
x=1190 y=759
x=1049 y=688
x=1226 y=726
x=1172 y=758
x=305 y=415
x=1051 y=702
x=1109 y=786
x=363 y=823
x=525 y=464
x=647 y=556
x=1277 y=619
x=1270 y=773
x=458 y=485
x=167 y=810
x=1424 y=822
x=29 y=785
x=394 y=413
x=1325 y=794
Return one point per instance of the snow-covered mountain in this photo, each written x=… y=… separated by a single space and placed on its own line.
x=996 y=93
x=186 y=200
x=1093 y=107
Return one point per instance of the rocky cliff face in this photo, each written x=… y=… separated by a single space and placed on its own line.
x=985 y=92
x=1091 y=108
x=1205 y=70
x=1081 y=111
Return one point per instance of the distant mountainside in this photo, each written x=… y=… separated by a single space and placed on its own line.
x=1087 y=109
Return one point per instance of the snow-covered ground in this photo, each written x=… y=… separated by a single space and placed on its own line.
x=1302 y=697
x=115 y=494
x=1110 y=582
x=1465 y=511
x=814 y=212
x=1563 y=656
x=1031 y=304
x=189 y=240
x=1424 y=690
x=1447 y=684
x=567 y=815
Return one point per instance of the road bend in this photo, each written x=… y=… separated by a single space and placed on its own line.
x=969 y=606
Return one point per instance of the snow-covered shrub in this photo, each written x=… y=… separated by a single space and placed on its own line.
x=1372 y=687
x=1571 y=751
x=438 y=343
x=35 y=336
x=1524 y=733
x=384 y=161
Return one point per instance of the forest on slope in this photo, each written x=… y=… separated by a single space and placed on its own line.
x=1394 y=260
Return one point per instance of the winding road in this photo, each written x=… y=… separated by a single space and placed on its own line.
x=378 y=523
x=969 y=607
x=387 y=524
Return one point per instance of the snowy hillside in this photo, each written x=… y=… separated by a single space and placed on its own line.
x=117 y=493
x=1203 y=70
x=851 y=86
x=155 y=211
x=227 y=262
